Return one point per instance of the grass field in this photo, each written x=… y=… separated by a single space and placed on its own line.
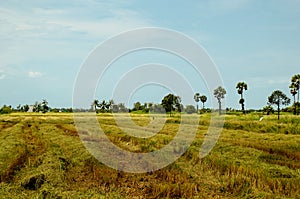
x=42 y=156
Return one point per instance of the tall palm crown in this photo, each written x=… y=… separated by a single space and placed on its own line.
x=203 y=99
x=219 y=93
x=295 y=85
x=196 y=98
x=241 y=86
x=95 y=104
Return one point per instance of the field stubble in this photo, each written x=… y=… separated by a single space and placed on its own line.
x=42 y=156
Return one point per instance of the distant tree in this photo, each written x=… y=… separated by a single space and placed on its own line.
x=54 y=110
x=37 y=107
x=104 y=106
x=25 y=107
x=268 y=109
x=178 y=105
x=295 y=86
x=19 y=107
x=278 y=98
x=44 y=106
x=189 y=109
x=95 y=104
x=110 y=104
x=171 y=103
x=219 y=93
x=294 y=92
x=157 y=108
x=122 y=108
x=241 y=86
x=137 y=106
x=6 y=109
x=203 y=99
x=196 y=98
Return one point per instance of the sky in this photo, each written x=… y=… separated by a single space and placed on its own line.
x=43 y=45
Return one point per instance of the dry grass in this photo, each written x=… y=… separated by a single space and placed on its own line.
x=42 y=156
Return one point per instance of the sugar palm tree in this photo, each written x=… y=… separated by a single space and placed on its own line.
x=241 y=86
x=294 y=92
x=95 y=104
x=196 y=98
x=219 y=93
x=104 y=106
x=295 y=84
x=203 y=99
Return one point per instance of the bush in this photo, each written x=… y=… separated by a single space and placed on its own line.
x=190 y=109
x=5 y=110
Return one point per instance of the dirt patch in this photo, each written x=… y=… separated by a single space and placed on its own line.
x=35 y=182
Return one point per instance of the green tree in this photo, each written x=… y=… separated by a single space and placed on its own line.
x=171 y=103
x=110 y=104
x=219 y=93
x=294 y=92
x=37 y=107
x=44 y=106
x=203 y=99
x=122 y=108
x=241 y=86
x=189 y=109
x=137 y=106
x=5 y=109
x=268 y=109
x=104 y=106
x=19 y=107
x=95 y=104
x=295 y=85
x=25 y=107
x=278 y=98
x=196 y=98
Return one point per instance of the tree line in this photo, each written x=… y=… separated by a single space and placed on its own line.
x=172 y=103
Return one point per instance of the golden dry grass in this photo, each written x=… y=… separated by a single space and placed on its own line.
x=42 y=156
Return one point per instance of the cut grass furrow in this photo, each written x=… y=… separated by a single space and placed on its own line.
x=42 y=156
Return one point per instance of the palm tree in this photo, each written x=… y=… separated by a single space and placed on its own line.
x=196 y=98
x=294 y=92
x=104 y=106
x=295 y=84
x=110 y=104
x=203 y=99
x=241 y=86
x=219 y=93
x=95 y=104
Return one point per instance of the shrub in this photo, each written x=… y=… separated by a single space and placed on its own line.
x=5 y=110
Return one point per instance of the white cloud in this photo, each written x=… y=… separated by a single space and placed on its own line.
x=34 y=74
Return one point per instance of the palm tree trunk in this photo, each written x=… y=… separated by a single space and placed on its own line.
x=197 y=108
x=219 y=107
x=203 y=105
x=278 y=111
x=295 y=105
x=243 y=108
x=298 y=103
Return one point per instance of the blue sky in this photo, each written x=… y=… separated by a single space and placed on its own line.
x=44 y=43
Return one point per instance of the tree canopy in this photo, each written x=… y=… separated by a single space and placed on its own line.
x=278 y=98
x=171 y=103
x=219 y=93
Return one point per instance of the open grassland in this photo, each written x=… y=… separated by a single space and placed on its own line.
x=42 y=156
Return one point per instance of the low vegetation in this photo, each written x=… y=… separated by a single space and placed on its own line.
x=42 y=156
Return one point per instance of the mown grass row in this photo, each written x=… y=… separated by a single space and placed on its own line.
x=42 y=156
